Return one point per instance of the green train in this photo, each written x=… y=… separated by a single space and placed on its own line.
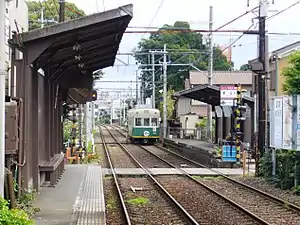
x=143 y=125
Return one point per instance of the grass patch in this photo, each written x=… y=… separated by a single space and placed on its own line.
x=111 y=202
x=139 y=201
x=208 y=177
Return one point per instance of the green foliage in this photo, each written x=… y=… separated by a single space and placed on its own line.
x=170 y=104
x=139 y=201
x=245 y=67
x=89 y=148
x=265 y=165
x=177 y=43
x=67 y=130
x=285 y=167
x=13 y=216
x=291 y=73
x=51 y=10
x=97 y=75
x=202 y=123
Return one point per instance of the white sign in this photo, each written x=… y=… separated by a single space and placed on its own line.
x=287 y=122
x=227 y=95
x=276 y=122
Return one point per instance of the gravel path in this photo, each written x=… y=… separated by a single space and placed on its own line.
x=263 y=207
x=173 y=159
x=263 y=185
x=149 y=206
x=114 y=214
x=145 y=158
x=203 y=205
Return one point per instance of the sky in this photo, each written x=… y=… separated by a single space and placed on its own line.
x=197 y=14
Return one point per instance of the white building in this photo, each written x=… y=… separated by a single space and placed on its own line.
x=13 y=17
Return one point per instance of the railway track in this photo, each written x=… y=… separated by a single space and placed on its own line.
x=161 y=209
x=208 y=200
x=264 y=206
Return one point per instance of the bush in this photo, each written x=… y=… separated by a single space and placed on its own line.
x=13 y=216
x=285 y=167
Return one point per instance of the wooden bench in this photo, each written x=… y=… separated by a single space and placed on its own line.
x=53 y=169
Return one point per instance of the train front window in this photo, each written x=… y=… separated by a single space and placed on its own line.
x=154 y=122
x=138 y=121
x=146 y=122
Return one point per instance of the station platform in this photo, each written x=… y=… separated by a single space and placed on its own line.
x=77 y=199
x=194 y=143
x=173 y=171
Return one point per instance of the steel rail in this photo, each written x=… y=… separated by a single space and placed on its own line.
x=127 y=217
x=252 y=215
x=267 y=195
x=185 y=213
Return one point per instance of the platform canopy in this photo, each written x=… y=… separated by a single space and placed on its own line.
x=70 y=52
x=209 y=94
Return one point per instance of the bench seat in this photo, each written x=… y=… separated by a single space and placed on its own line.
x=53 y=169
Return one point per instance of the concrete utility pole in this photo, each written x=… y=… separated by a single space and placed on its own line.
x=2 y=100
x=136 y=87
x=80 y=124
x=86 y=114
x=165 y=90
x=61 y=11
x=263 y=10
x=153 y=80
x=42 y=15
x=93 y=116
x=210 y=72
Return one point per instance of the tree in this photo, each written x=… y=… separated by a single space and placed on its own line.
x=183 y=47
x=245 y=67
x=170 y=104
x=291 y=73
x=51 y=12
x=97 y=75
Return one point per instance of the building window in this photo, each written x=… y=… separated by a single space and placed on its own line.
x=138 y=122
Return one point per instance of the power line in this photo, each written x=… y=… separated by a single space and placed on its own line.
x=236 y=40
x=155 y=14
x=237 y=18
x=274 y=33
x=289 y=7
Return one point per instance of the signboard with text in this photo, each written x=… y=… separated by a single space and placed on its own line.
x=227 y=95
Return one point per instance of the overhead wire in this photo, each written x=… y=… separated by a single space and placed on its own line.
x=282 y=11
x=274 y=33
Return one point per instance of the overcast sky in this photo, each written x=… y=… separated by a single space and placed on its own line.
x=195 y=12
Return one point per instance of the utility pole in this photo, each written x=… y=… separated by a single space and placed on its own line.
x=136 y=87
x=263 y=10
x=3 y=74
x=86 y=114
x=210 y=72
x=80 y=124
x=153 y=80
x=42 y=15
x=165 y=90
x=61 y=11
x=93 y=116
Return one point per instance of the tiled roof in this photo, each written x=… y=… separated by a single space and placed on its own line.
x=222 y=77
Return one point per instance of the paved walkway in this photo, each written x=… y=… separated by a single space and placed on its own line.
x=77 y=199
